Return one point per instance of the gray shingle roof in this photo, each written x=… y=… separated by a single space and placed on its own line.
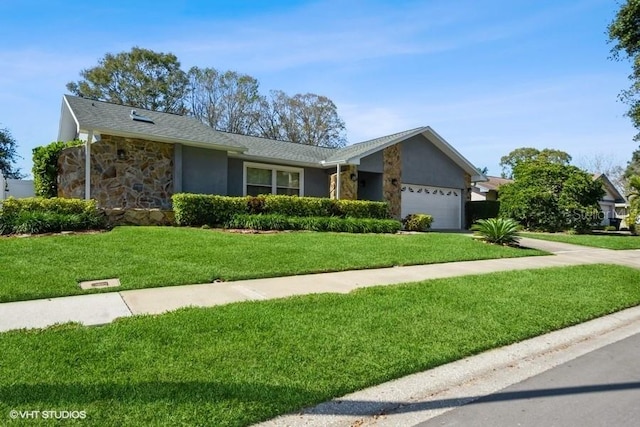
x=365 y=148
x=281 y=150
x=107 y=117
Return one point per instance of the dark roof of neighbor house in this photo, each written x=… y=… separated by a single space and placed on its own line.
x=116 y=119
x=494 y=183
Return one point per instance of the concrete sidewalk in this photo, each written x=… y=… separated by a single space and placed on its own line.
x=95 y=309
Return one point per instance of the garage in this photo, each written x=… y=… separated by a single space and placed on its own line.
x=444 y=204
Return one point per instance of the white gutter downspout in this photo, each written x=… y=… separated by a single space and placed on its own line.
x=338 y=181
x=87 y=166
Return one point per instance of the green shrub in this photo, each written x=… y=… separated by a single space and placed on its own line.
x=609 y=228
x=501 y=231
x=284 y=222
x=417 y=222
x=362 y=209
x=45 y=167
x=480 y=209
x=205 y=209
x=212 y=210
x=36 y=215
x=296 y=206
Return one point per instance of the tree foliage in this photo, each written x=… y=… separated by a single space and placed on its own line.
x=551 y=196
x=141 y=78
x=45 y=167
x=303 y=118
x=8 y=155
x=529 y=154
x=226 y=101
x=634 y=202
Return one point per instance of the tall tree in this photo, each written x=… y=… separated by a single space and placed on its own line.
x=141 y=78
x=551 y=196
x=8 y=155
x=303 y=118
x=624 y=32
x=527 y=154
x=226 y=101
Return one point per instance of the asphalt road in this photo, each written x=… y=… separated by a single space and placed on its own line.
x=601 y=388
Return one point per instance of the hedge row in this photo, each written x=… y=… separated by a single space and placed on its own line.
x=213 y=210
x=314 y=223
x=480 y=209
x=35 y=215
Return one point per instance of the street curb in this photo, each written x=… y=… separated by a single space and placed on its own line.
x=422 y=396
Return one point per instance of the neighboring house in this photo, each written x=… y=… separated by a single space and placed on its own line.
x=139 y=158
x=488 y=190
x=613 y=204
x=17 y=188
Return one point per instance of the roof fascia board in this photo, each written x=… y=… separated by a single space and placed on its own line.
x=454 y=155
x=164 y=139
x=75 y=119
x=394 y=141
x=276 y=161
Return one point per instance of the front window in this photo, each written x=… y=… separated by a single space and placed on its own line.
x=270 y=179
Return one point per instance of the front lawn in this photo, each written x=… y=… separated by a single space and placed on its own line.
x=604 y=241
x=242 y=363
x=142 y=257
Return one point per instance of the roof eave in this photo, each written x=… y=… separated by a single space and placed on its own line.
x=166 y=140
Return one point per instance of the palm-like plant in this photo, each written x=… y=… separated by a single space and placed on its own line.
x=634 y=202
x=500 y=231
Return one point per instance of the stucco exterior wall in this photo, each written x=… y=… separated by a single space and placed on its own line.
x=125 y=173
x=424 y=164
x=204 y=171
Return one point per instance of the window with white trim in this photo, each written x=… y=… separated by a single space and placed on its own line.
x=271 y=179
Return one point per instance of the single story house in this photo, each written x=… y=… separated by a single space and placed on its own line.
x=613 y=204
x=488 y=190
x=136 y=158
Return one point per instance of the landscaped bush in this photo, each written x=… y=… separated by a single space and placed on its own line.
x=202 y=209
x=481 y=209
x=36 y=215
x=284 y=222
x=501 y=231
x=362 y=209
x=45 y=167
x=417 y=222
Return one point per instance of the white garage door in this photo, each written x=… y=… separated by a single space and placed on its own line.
x=444 y=204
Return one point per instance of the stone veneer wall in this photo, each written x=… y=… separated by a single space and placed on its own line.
x=467 y=186
x=348 y=188
x=139 y=217
x=125 y=173
x=392 y=170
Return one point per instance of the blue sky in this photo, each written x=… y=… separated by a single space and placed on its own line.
x=487 y=75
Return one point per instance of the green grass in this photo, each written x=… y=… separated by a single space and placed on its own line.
x=605 y=241
x=142 y=257
x=246 y=362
